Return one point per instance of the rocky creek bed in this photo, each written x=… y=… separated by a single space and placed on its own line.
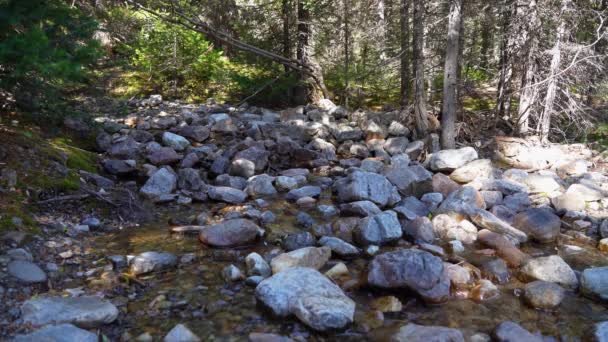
x=314 y=223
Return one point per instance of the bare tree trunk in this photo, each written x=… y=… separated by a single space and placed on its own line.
x=312 y=85
x=286 y=37
x=450 y=77
x=381 y=31
x=420 y=113
x=346 y=53
x=529 y=92
x=405 y=60
x=544 y=124
x=503 y=91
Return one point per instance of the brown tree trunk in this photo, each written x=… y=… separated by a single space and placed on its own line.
x=503 y=91
x=285 y=11
x=312 y=87
x=529 y=92
x=420 y=112
x=405 y=58
x=450 y=77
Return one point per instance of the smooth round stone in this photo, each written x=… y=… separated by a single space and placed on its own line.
x=26 y=271
x=58 y=333
x=543 y=294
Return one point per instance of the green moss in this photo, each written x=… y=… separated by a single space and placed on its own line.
x=78 y=159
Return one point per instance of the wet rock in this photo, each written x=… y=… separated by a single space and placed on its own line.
x=298 y=240
x=460 y=277
x=484 y=291
x=487 y=220
x=412 y=180
x=539 y=223
x=378 y=229
x=231 y=273
x=311 y=257
x=362 y=186
x=58 y=333
x=551 y=268
x=82 y=311
x=411 y=208
x=496 y=270
x=447 y=228
x=163 y=156
x=230 y=233
x=416 y=270
x=510 y=332
x=305 y=191
x=256 y=265
x=543 y=294
x=26 y=271
x=594 y=283
x=339 y=247
x=420 y=230
x=260 y=185
x=364 y=208
x=181 y=333
x=119 y=167
x=504 y=247
x=414 y=332
x=226 y=194
x=162 y=182
x=569 y=201
x=465 y=200
x=480 y=168
x=449 y=160
x=152 y=262
x=265 y=337
x=308 y=295
x=386 y=304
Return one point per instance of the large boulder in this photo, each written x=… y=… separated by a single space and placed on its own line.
x=539 y=223
x=594 y=283
x=378 y=229
x=152 y=262
x=551 y=268
x=311 y=257
x=362 y=186
x=414 y=332
x=230 y=233
x=411 y=269
x=310 y=296
x=85 y=312
x=162 y=182
x=449 y=160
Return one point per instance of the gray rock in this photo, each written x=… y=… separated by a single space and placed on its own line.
x=305 y=191
x=152 y=262
x=311 y=257
x=414 y=333
x=361 y=208
x=587 y=192
x=84 y=312
x=189 y=179
x=480 y=168
x=420 y=230
x=256 y=265
x=449 y=160
x=415 y=270
x=594 y=283
x=465 y=200
x=308 y=295
x=58 y=333
x=181 y=333
x=119 y=167
x=196 y=133
x=231 y=273
x=411 y=208
x=286 y=183
x=505 y=186
x=162 y=182
x=366 y=186
x=517 y=202
x=126 y=148
x=492 y=198
x=569 y=201
x=543 y=294
x=231 y=181
x=487 y=220
x=511 y=332
x=241 y=167
x=339 y=247
x=398 y=129
x=412 y=180
x=432 y=200
x=600 y=333
x=163 y=156
x=551 y=268
x=298 y=240
x=260 y=185
x=396 y=145
x=539 y=223
x=177 y=142
x=538 y=183
x=226 y=194
x=19 y=254
x=378 y=229
x=257 y=155
x=26 y=271
x=327 y=211
x=230 y=233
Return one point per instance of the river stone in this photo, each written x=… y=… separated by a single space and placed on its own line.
x=311 y=257
x=177 y=142
x=378 y=229
x=190 y=180
x=196 y=133
x=480 y=168
x=26 y=271
x=411 y=208
x=464 y=201
x=551 y=268
x=162 y=182
x=504 y=247
x=339 y=246
x=541 y=183
x=85 y=312
x=305 y=191
x=181 y=333
x=362 y=186
x=230 y=233
x=487 y=220
x=539 y=223
x=286 y=183
x=416 y=270
x=587 y=192
x=58 y=333
x=594 y=283
x=257 y=155
x=412 y=180
x=119 y=167
x=449 y=160
x=240 y=167
x=419 y=230
x=512 y=332
x=569 y=201
x=152 y=262
x=310 y=296
x=543 y=294
x=299 y=240
x=257 y=266
x=448 y=229
x=260 y=185
x=600 y=333
x=226 y=194
x=163 y=156
x=366 y=208
x=414 y=333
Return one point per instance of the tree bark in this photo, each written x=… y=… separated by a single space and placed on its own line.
x=285 y=11
x=544 y=124
x=450 y=77
x=405 y=58
x=381 y=32
x=420 y=112
x=346 y=4
x=504 y=91
x=529 y=92
x=312 y=87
